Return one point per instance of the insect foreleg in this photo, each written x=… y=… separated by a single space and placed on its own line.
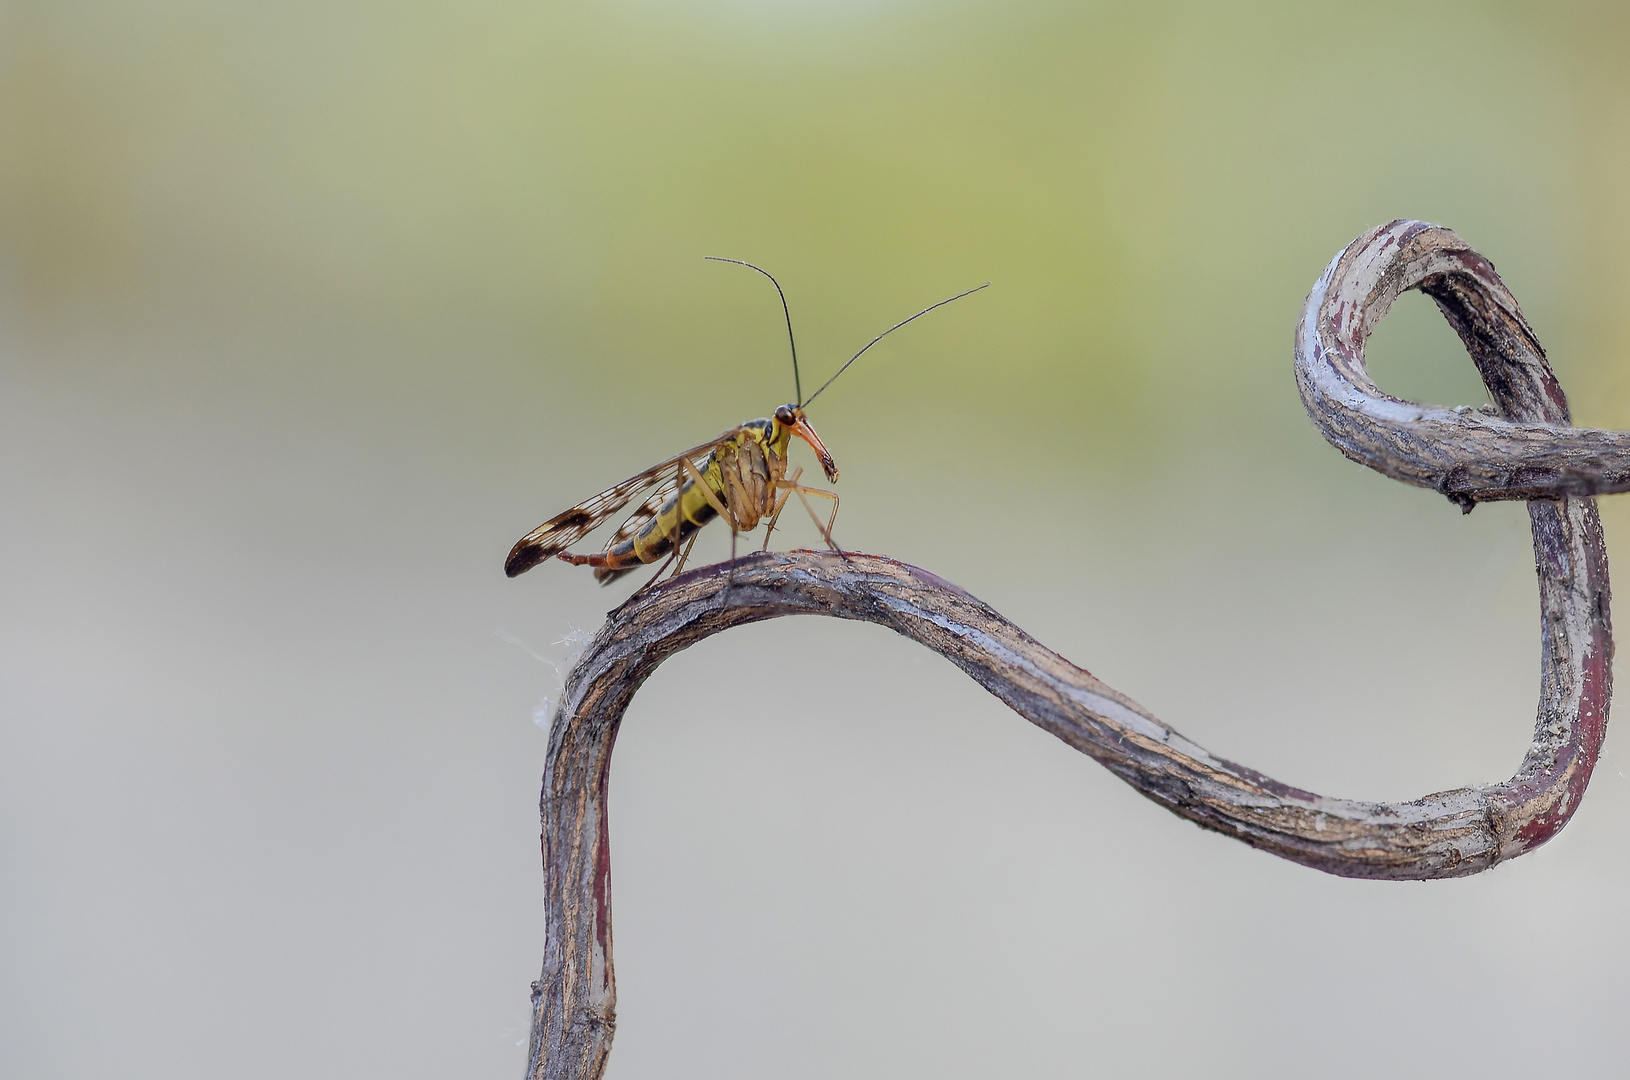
x=826 y=530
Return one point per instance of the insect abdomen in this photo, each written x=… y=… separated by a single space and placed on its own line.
x=689 y=508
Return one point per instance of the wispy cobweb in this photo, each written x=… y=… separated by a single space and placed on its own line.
x=572 y=643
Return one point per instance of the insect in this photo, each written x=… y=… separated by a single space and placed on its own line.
x=739 y=475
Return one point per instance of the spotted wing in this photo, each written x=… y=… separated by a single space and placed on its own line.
x=565 y=529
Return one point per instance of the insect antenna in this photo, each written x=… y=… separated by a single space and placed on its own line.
x=889 y=331
x=797 y=385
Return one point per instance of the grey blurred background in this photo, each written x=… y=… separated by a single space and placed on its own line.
x=308 y=311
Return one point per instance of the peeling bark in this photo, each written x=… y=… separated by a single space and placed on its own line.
x=1521 y=447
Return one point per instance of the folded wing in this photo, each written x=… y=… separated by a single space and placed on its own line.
x=568 y=527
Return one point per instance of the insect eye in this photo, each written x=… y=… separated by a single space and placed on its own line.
x=784 y=414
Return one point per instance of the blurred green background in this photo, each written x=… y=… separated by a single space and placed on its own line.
x=308 y=311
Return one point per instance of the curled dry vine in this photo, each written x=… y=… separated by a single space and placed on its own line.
x=1521 y=446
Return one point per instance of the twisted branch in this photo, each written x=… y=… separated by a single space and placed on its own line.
x=1519 y=448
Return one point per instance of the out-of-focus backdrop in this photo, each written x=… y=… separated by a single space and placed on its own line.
x=309 y=310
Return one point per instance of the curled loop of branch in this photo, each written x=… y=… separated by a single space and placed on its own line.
x=1520 y=448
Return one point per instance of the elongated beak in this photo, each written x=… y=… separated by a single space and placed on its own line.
x=801 y=428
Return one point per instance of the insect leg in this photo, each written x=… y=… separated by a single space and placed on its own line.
x=826 y=530
x=686 y=554
x=678 y=557
x=786 y=485
x=656 y=577
x=719 y=507
x=707 y=492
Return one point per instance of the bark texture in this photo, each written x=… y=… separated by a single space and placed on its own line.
x=1520 y=447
